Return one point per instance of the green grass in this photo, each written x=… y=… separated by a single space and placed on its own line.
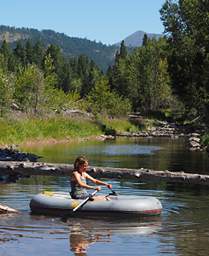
x=120 y=125
x=17 y=131
x=13 y=131
x=205 y=139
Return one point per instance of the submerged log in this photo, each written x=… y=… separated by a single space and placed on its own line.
x=38 y=168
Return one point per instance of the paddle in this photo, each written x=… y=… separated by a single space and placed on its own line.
x=84 y=201
x=113 y=192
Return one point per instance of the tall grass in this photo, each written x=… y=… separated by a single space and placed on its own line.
x=119 y=125
x=17 y=131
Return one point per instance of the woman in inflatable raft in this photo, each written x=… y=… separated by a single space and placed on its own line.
x=79 y=179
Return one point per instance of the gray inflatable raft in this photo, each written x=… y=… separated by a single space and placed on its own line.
x=61 y=203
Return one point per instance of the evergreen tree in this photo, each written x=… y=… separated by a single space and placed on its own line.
x=67 y=77
x=145 y=39
x=9 y=62
x=123 y=50
x=20 y=53
x=49 y=72
x=117 y=74
x=38 y=54
x=58 y=62
x=29 y=52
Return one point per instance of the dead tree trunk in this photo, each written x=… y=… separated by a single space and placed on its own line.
x=38 y=168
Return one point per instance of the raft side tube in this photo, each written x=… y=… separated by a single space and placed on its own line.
x=63 y=203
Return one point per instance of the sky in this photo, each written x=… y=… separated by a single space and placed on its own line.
x=106 y=21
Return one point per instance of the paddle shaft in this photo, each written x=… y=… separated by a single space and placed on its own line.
x=84 y=201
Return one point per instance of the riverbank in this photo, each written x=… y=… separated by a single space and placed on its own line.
x=58 y=129
x=45 y=130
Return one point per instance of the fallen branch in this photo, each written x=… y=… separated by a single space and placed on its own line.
x=38 y=168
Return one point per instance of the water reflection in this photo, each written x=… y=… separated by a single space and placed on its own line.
x=181 y=230
x=184 y=229
x=86 y=232
x=81 y=238
x=188 y=229
x=152 y=153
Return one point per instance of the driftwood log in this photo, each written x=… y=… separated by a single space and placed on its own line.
x=6 y=209
x=142 y=175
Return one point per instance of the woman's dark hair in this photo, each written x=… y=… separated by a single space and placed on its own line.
x=79 y=161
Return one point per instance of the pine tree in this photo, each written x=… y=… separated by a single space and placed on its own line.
x=20 y=53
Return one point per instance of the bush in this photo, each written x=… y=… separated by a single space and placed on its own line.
x=113 y=125
x=102 y=100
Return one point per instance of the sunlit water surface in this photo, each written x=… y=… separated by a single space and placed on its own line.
x=182 y=229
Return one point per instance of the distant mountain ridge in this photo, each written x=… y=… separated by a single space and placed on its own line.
x=136 y=39
x=103 y=55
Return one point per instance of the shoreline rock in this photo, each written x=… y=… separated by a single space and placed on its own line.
x=11 y=153
x=195 y=142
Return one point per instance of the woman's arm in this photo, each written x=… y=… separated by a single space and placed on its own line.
x=98 y=182
x=81 y=183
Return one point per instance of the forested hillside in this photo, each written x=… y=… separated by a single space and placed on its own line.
x=101 y=54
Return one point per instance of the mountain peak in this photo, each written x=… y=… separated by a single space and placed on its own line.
x=136 y=39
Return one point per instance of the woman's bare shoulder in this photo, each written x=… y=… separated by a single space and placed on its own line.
x=74 y=174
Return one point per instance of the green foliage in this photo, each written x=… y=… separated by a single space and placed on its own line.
x=57 y=100
x=37 y=128
x=6 y=92
x=3 y=65
x=101 y=100
x=20 y=53
x=122 y=54
x=49 y=71
x=29 y=89
x=9 y=58
x=186 y=25
x=205 y=140
x=88 y=73
x=118 y=124
x=176 y=110
x=153 y=78
x=143 y=77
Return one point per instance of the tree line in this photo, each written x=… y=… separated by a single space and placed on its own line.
x=167 y=77
x=40 y=79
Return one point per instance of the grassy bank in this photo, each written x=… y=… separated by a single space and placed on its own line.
x=57 y=129
x=21 y=131
x=119 y=125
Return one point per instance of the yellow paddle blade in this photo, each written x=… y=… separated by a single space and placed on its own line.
x=74 y=203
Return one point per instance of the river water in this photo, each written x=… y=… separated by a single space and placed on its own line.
x=182 y=229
